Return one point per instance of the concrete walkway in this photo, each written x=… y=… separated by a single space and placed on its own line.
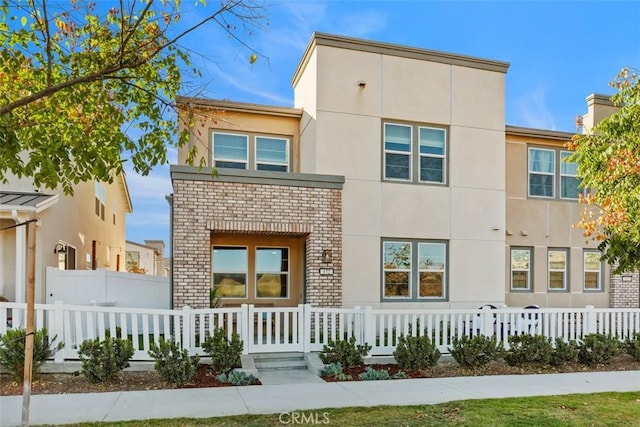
x=279 y=398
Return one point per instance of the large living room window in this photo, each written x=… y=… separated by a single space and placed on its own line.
x=272 y=272
x=250 y=151
x=230 y=269
x=414 y=153
x=548 y=170
x=414 y=270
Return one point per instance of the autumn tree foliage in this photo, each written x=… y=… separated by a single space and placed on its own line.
x=78 y=79
x=608 y=159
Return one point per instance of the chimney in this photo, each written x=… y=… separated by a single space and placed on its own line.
x=598 y=107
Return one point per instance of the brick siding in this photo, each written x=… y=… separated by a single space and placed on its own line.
x=625 y=290
x=201 y=207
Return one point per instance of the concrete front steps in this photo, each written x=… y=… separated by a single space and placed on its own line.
x=285 y=368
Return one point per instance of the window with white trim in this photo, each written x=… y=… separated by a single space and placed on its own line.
x=414 y=153
x=521 y=269
x=272 y=272
x=592 y=270
x=100 y=199
x=558 y=269
x=414 y=270
x=250 y=151
x=569 y=181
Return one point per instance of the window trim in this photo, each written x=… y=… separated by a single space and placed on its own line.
x=255 y=272
x=600 y=287
x=250 y=137
x=414 y=271
x=213 y=145
x=414 y=154
x=255 y=153
x=529 y=287
x=567 y=269
x=246 y=282
x=552 y=174
x=100 y=200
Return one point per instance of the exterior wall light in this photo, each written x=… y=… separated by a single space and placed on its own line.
x=327 y=256
x=60 y=249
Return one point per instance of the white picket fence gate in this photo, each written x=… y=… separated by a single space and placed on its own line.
x=305 y=328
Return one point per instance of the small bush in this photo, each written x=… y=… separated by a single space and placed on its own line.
x=331 y=370
x=346 y=352
x=12 y=349
x=564 y=352
x=416 y=352
x=172 y=363
x=632 y=346
x=371 y=374
x=598 y=349
x=476 y=351
x=236 y=377
x=225 y=354
x=102 y=360
x=528 y=350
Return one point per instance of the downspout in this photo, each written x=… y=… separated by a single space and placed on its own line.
x=20 y=277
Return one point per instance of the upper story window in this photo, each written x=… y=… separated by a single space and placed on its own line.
x=548 y=170
x=414 y=153
x=100 y=199
x=239 y=151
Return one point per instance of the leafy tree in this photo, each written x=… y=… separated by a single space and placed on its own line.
x=73 y=76
x=608 y=159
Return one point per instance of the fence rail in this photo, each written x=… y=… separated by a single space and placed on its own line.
x=305 y=328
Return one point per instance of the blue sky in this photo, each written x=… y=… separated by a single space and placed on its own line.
x=560 y=52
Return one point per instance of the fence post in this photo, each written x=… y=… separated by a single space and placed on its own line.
x=244 y=320
x=487 y=322
x=592 y=324
x=369 y=326
x=58 y=332
x=358 y=331
x=186 y=327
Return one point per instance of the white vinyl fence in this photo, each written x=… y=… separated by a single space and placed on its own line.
x=305 y=328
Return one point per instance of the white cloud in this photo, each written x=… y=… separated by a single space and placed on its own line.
x=154 y=186
x=364 y=24
x=533 y=110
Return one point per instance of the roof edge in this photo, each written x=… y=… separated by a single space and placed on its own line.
x=241 y=106
x=538 y=133
x=363 y=45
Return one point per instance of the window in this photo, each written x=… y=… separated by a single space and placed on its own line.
x=230 y=269
x=558 y=269
x=592 y=271
x=272 y=272
x=541 y=172
x=132 y=259
x=87 y=261
x=66 y=257
x=272 y=154
x=250 y=152
x=113 y=212
x=409 y=148
x=414 y=270
x=100 y=199
x=543 y=180
x=569 y=182
x=520 y=269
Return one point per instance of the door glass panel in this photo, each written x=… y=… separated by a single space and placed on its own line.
x=230 y=271
x=272 y=272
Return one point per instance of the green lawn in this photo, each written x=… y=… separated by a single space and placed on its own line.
x=601 y=409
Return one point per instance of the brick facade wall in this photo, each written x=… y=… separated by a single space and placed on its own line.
x=206 y=206
x=625 y=290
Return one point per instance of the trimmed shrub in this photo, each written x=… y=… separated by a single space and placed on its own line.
x=331 y=370
x=476 y=351
x=103 y=360
x=236 y=377
x=632 y=346
x=12 y=349
x=172 y=363
x=564 y=352
x=346 y=352
x=371 y=374
x=597 y=349
x=528 y=350
x=225 y=353
x=416 y=352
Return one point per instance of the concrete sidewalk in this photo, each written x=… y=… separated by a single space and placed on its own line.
x=265 y=399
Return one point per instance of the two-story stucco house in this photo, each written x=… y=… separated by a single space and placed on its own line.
x=393 y=182
x=83 y=231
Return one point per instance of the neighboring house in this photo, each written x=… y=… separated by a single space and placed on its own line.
x=394 y=182
x=147 y=258
x=83 y=231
